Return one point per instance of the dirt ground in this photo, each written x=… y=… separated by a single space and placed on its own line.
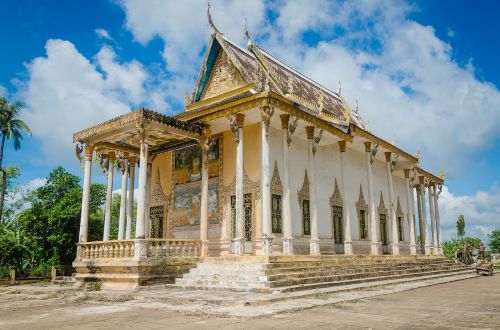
x=472 y=303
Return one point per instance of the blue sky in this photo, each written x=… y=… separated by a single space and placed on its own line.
x=425 y=72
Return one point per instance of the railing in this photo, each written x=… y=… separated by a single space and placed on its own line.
x=141 y=248
x=173 y=248
x=109 y=249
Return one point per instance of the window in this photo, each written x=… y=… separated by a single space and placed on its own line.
x=276 y=214
x=383 y=228
x=338 y=231
x=400 y=229
x=363 y=228
x=306 y=217
x=247 y=216
x=156 y=218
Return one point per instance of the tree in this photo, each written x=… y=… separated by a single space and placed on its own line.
x=494 y=241
x=11 y=128
x=461 y=227
x=14 y=191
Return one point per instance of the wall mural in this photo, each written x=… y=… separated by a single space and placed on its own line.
x=187 y=185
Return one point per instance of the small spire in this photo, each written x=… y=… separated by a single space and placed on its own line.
x=417 y=154
x=340 y=88
x=210 y=22
x=442 y=174
x=394 y=140
x=187 y=98
x=247 y=35
x=357 y=106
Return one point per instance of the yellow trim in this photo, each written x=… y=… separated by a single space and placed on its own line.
x=430 y=176
x=369 y=136
x=220 y=97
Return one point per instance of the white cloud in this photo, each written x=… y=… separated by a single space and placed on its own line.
x=3 y=91
x=481 y=212
x=66 y=93
x=449 y=32
x=102 y=33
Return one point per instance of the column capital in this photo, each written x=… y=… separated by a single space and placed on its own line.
x=407 y=173
x=132 y=160
x=240 y=119
x=388 y=156
x=421 y=179
x=342 y=144
x=285 y=118
x=89 y=150
x=111 y=156
x=368 y=146
x=310 y=132
x=125 y=155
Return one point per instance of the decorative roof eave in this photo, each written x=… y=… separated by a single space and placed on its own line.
x=428 y=175
x=357 y=131
x=130 y=119
x=215 y=99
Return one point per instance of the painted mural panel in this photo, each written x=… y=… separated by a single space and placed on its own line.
x=187 y=203
x=187 y=185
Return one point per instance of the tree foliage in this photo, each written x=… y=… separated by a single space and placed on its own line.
x=494 y=241
x=50 y=224
x=461 y=226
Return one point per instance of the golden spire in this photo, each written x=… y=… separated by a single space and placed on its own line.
x=210 y=21
x=247 y=36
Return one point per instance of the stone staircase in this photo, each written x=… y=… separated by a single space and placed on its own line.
x=268 y=274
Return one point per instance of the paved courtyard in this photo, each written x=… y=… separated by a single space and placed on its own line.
x=472 y=303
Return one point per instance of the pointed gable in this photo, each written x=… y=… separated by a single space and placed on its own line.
x=223 y=78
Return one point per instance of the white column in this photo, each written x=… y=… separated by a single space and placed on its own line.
x=123 y=199
x=425 y=230
x=345 y=201
x=109 y=196
x=84 y=217
x=265 y=183
x=375 y=245
x=147 y=210
x=130 y=199
x=438 y=221
x=430 y=190
x=410 y=215
x=239 y=241
x=314 y=241
x=204 y=199
x=392 y=210
x=420 y=220
x=141 y=198
x=287 y=208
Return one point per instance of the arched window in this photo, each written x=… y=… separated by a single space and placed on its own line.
x=382 y=219
x=337 y=215
x=276 y=202
x=303 y=195
x=400 y=222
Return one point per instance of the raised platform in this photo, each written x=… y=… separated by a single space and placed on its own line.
x=294 y=273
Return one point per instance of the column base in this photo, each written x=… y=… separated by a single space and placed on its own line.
x=288 y=246
x=140 y=249
x=267 y=245
x=375 y=248
x=413 y=250
x=239 y=246
x=314 y=247
x=440 y=251
x=204 y=248
x=394 y=248
x=427 y=251
x=348 y=248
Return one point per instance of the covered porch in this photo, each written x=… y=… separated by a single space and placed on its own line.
x=143 y=255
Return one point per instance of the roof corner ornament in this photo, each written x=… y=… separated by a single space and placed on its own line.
x=417 y=156
x=339 y=91
x=233 y=125
x=394 y=140
x=291 y=129
x=267 y=113
x=78 y=152
x=248 y=38
x=357 y=105
x=373 y=153
x=214 y=30
x=394 y=160
x=321 y=100
x=317 y=139
x=187 y=98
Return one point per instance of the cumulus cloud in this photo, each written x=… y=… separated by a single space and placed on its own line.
x=481 y=212
x=102 y=33
x=66 y=92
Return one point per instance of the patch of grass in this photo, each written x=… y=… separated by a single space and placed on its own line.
x=336 y=306
x=94 y=286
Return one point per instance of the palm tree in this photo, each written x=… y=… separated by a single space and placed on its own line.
x=11 y=128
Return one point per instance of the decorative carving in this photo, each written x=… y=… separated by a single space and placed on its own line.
x=233 y=125
x=249 y=187
x=362 y=210
x=373 y=153
x=276 y=186
x=291 y=129
x=336 y=198
x=317 y=139
x=267 y=113
x=361 y=204
x=158 y=197
x=303 y=193
x=224 y=77
x=394 y=160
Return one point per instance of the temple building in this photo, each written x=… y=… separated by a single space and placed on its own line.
x=262 y=161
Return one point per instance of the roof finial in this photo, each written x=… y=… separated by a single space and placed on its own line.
x=442 y=174
x=340 y=88
x=212 y=25
x=247 y=35
x=357 y=106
